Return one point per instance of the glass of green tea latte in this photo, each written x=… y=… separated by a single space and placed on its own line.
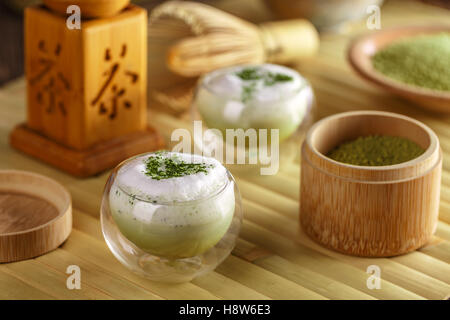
x=171 y=216
x=259 y=97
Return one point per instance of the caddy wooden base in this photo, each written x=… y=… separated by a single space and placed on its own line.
x=84 y=163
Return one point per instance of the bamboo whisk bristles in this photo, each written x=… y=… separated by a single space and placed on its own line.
x=188 y=39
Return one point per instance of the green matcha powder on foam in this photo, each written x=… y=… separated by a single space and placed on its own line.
x=422 y=61
x=161 y=166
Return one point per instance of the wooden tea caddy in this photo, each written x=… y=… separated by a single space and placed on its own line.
x=89 y=8
x=369 y=211
x=86 y=90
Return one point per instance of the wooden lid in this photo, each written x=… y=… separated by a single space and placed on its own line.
x=89 y=8
x=35 y=215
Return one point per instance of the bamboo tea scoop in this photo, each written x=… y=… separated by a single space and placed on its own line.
x=194 y=38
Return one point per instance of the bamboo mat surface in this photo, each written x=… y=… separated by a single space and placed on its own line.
x=272 y=259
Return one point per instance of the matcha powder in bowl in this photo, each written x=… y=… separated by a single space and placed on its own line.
x=422 y=61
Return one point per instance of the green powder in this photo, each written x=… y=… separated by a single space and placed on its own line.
x=422 y=61
x=376 y=150
x=250 y=75
x=162 y=165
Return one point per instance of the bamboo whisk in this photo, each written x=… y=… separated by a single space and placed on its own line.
x=194 y=38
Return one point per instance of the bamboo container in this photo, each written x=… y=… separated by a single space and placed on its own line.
x=188 y=39
x=35 y=215
x=369 y=211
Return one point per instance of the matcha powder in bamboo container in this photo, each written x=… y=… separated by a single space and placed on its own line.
x=422 y=61
x=376 y=150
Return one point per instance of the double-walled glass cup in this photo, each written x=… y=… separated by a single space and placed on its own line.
x=170 y=242
x=290 y=114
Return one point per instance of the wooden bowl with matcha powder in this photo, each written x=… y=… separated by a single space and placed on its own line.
x=412 y=62
x=370 y=183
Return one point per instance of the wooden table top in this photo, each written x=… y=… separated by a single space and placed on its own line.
x=272 y=260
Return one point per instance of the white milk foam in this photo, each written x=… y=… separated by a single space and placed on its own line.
x=132 y=179
x=226 y=83
x=213 y=190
